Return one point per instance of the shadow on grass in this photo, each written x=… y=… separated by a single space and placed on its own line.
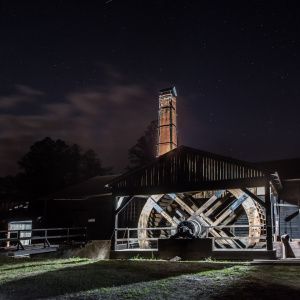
x=97 y=275
x=251 y=288
x=36 y=266
x=13 y=260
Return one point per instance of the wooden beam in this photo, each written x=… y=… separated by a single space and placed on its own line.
x=181 y=211
x=209 y=202
x=218 y=203
x=182 y=187
x=229 y=210
x=203 y=220
x=191 y=200
x=268 y=217
x=143 y=220
x=162 y=212
x=236 y=215
x=254 y=197
x=182 y=204
x=123 y=204
x=208 y=222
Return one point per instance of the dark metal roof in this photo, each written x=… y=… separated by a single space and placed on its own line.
x=291 y=191
x=287 y=168
x=186 y=169
x=93 y=187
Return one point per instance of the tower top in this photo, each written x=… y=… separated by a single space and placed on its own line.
x=171 y=90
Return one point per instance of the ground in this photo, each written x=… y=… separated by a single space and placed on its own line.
x=28 y=278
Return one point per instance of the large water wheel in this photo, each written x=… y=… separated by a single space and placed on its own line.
x=224 y=208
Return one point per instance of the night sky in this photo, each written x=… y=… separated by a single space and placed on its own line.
x=89 y=72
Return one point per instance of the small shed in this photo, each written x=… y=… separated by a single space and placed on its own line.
x=88 y=204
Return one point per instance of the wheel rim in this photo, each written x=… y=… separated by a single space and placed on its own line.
x=226 y=209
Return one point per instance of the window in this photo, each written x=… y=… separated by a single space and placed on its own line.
x=130 y=211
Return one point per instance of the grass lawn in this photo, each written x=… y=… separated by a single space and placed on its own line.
x=29 y=278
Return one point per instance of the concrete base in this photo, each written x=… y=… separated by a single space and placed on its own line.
x=285 y=262
x=185 y=248
x=246 y=254
x=32 y=251
x=293 y=249
x=131 y=254
x=198 y=249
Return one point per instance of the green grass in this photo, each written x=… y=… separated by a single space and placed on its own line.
x=52 y=277
x=28 y=278
x=135 y=293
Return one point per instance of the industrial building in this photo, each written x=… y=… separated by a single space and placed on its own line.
x=216 y=206
x=238 y=205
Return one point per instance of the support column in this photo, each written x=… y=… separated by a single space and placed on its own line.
x=114 y=222
x=268 y=216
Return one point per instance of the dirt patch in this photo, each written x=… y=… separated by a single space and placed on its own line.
x=97 y=249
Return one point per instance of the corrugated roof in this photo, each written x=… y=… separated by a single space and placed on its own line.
x=182 y=149
x=95 y=186
x=188 y=169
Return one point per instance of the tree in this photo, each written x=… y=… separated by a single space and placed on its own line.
x=145 y=149
x=90 y=166
x=51 y=165
x=7 y=184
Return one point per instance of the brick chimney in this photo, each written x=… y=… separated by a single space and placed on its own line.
x=167 y=133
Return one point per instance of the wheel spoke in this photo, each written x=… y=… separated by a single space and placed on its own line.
x=218 y=204
x=182 y=204
x=223 y=208
x=161 y=211
x=208 y=222
x=230 y=210
x=209 y=202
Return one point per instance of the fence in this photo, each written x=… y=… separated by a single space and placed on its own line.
x=130 y=239
x=16 y=236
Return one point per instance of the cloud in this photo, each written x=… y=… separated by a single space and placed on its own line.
x=26 y=90
x=22 y=94
x=108 y=119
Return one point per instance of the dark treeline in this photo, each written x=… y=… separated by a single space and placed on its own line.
x=144 y=150
x=51 y=165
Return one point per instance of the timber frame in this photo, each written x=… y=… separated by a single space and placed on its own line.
x=187 y=170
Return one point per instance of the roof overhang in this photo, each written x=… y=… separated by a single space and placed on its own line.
x=186 y=169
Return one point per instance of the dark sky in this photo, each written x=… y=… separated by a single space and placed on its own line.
x=89 y=72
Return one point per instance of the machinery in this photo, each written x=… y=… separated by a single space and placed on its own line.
x=231 y=217
x=188 y=229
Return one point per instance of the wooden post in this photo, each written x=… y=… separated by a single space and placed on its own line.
x=128 y=237
x=284 y=245
x=268 y=216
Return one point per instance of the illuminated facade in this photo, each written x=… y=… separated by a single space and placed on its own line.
x=167 y=132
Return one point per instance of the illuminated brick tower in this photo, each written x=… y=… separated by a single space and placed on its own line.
x=167 y=133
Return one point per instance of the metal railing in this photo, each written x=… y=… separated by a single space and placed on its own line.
x=44 y=234
x=130 y=239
